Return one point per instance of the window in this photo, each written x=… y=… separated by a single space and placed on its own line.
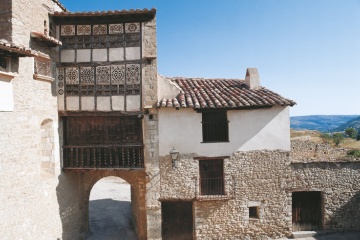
x=254 y=212
x=211 y=177
x=215 y=127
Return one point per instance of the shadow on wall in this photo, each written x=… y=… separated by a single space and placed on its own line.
x=260 y=120
x=70 y=208
x=347 y=217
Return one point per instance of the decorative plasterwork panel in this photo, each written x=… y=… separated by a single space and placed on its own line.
x=72 y=75
x=87 y=75
x=42 y=67
x=132 y=27
x=103 y=75
x=83 y=29
x=117 y=74
x=68 y=30
x=133 y=74
x=116 y=28
x=60 y=77
x=99 y=29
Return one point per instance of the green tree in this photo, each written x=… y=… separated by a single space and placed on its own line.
x=351 y=132
x=326 y=138
x=337 y=138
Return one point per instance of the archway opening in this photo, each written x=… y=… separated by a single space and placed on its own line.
x=110 y=211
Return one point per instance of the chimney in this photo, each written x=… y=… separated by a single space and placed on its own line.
x=252 y=78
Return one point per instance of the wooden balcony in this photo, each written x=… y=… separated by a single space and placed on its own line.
x=103 y=157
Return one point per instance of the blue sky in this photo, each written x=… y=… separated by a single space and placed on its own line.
x=306 y=50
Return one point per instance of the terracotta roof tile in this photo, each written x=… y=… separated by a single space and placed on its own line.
x=221 y=93
x=8 y=46
x=105 y=13
x=43 y=37
x=20 y=50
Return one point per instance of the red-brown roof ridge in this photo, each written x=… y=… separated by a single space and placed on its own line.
x=202 y=93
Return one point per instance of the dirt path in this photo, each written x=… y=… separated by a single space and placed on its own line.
x=110 y=211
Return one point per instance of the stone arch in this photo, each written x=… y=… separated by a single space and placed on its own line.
x=47 y=164
x=136 y=179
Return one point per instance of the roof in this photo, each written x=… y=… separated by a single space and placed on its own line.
x=15 y=49
x=105 y=13
x=114 y=16
x=19 y=50
x=199 y=93
x=42 y=37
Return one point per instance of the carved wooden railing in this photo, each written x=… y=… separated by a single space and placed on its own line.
x=97 y=157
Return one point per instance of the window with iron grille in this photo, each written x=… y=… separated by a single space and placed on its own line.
x=215 y=127
x=211 y=177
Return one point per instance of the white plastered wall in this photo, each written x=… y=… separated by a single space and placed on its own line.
x=258 y=129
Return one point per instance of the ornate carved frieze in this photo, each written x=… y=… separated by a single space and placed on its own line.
x=118 y=79
x=117 y=74
x=60 y=78
x=132 y=27
x=101 y=36
x=67 y=30
x=116 y=28
x=100 y=29
x=83 y=29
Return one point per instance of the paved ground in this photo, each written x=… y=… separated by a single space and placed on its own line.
x=110 y=211
x=335 y=236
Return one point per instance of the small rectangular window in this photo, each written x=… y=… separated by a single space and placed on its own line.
x=211 y=177
x=215 y=127
x=254 y=212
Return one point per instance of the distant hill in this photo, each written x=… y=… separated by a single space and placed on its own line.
x=353 y=123
x=323 y=123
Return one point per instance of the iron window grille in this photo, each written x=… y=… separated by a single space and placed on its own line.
x=215 y=127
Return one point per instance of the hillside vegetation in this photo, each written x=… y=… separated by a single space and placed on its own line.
x=315 y=136
x=353 y=123
x=323 y=123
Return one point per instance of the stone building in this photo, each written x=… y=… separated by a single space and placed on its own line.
x=81 y=99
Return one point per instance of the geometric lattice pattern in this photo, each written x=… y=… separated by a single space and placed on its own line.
x=68 y=30
x=95 y=36
x=117 y=74
x=100 y=29
x=132 y=27
x=133 y=74
x=116 y=28
x=87 y=75
x=103 y=75
x=42 y=67
x=60 y=78
x=83 y=29
x=72 y=75
x=119 y=79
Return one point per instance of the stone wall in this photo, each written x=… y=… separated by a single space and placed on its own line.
x=150 y=131
x=339 y=183
x=30 y=163
x=252 y=179
x=29 y=208
x=310 y=151
x=5 y=19
x=319 y=167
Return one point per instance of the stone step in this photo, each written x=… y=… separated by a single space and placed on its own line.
x=304 y=234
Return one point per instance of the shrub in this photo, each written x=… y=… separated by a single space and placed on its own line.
x=351 y=132
x=337 y=138
x=354 y=153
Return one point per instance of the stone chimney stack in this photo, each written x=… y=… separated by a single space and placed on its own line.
x=252 y=78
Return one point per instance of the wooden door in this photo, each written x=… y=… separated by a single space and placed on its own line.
x=306 y=211
x=177 y=220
